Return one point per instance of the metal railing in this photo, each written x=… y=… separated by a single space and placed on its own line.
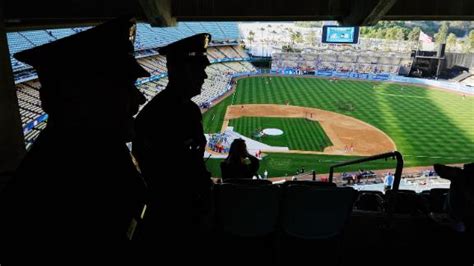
x=394 y=154
x=393 y=197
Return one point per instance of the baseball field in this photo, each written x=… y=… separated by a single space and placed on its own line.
x=329 y=121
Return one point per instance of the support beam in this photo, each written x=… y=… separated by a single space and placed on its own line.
x=29 y=15
x=26 y=14
x=366 y=12
x=158 y=12
x=378 y=12
x=12 y=147
x=261 y=10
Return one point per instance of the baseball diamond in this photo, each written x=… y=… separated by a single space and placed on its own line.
x=427 y=125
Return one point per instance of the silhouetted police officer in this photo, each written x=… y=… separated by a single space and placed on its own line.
x=78 y=181
x=169 y=145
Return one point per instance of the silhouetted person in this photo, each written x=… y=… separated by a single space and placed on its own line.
x=459 y=203
x=239 y=163
x=78 y=182
x=169 y=147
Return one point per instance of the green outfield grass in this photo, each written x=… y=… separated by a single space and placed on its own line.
x=213 y=118
x=427 y=125
x=298 y=133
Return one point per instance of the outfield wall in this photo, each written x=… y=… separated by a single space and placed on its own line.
x=435 y=83
x=376 y=77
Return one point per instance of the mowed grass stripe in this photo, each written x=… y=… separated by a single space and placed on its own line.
x=308 y=134
x=213 y=118
x=296 y=135
x=309 y=140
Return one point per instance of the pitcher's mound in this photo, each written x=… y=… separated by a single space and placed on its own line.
x=273 y=131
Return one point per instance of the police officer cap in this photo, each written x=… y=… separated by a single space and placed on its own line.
x=191 y=47
x=106 y=48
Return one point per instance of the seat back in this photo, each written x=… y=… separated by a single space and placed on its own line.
x=309 y=183
x=247 y=210
x=403 y=201
x=437 y=198
x=247 y=181
x=311 y=212
x=369 y=201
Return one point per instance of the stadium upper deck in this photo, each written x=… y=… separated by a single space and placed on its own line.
x=147 y=37
x=225 y=36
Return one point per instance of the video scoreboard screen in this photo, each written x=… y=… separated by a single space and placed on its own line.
x=339 y=34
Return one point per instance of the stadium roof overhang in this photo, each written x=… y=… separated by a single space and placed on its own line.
x=22 y=15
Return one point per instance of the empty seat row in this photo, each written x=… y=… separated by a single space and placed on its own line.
x=280 y=220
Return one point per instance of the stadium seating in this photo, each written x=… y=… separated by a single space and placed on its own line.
x=342 y=61
x=245 y=181
x=147 y=40
x=246 y=222
x=437 y=197
x=215 y=53
x=313 y=222
x=259 y=205
x=214 y=87
x=147 y=37
x=308 y=183
x=404 y=202
x=370 y=201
